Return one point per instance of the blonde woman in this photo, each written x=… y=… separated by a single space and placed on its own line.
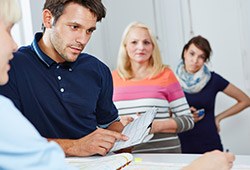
x=142 y=81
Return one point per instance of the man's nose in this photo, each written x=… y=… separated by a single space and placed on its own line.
x=83 y=39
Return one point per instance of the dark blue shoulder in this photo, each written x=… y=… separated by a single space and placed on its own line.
x=219 y=80
x=24 y=51
x=216 y=75
x=92 y=60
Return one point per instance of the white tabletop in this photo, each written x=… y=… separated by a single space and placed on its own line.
x=184 y=158
x=175 y=161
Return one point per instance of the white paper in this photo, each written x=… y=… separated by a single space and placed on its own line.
x=137 y=131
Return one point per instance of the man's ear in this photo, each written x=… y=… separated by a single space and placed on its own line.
x=47 y=18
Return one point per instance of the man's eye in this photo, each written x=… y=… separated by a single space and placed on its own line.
x=74 y=27
x=90 y=31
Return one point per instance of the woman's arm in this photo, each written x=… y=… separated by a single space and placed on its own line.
x=243 y=101
x=173 y=125
x=164 y=126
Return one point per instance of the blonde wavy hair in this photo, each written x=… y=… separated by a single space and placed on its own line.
x=123 y=63
x=9 y=11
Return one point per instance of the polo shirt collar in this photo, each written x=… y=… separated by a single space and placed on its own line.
x=44 y=58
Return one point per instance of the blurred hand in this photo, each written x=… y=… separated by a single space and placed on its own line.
x=212 y=161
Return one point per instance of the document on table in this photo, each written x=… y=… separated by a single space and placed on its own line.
x=137 y=131
x=108 y=162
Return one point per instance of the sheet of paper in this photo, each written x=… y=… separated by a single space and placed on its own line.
x=137 y=131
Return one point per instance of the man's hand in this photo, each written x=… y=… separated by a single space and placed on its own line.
x=98 y=142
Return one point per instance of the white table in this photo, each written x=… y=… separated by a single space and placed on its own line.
x=175 y=161
x=153 y=161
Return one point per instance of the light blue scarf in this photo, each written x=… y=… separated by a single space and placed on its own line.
x=193 y=83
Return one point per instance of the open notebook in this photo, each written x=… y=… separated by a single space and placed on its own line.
x=137 y=131
x=109 y=162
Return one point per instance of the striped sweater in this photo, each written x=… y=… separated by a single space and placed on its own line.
x=163 y=92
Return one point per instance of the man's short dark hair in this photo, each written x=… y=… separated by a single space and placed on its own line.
x=57 y=7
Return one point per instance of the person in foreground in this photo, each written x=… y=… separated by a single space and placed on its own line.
x=64 y=93
x=21 y=146
x=211 y=161
x=142 y=81
x=201 y=87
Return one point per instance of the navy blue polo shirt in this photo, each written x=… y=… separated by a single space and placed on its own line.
x=62 y=100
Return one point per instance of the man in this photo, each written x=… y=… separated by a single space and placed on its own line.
x=22 y=144
x=66 y=95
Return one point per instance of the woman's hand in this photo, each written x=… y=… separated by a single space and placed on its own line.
x=217 y=123
x=195 y=113
x=126 y=120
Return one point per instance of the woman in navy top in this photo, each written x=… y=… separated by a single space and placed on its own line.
x=201 y=87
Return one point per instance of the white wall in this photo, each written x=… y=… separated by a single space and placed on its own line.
x=23 y=31
x=36 y=10
x=119 y=14
x=225 y=23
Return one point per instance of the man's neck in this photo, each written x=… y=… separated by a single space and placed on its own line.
x=46 y=46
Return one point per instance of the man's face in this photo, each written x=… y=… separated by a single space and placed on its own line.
x=72 y=31
x=7 y=47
